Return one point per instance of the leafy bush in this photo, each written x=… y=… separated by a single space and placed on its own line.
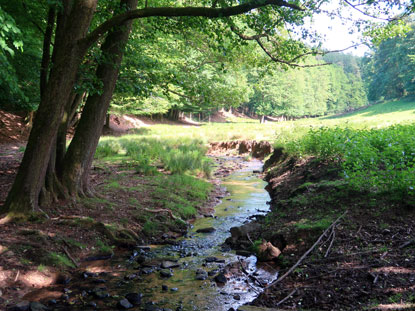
x=375 y=160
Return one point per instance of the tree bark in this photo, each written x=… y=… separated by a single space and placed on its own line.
x=78 y=158
x=68 y=54
x=44 y=65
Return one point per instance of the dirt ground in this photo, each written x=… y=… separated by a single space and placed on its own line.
x=366 y=261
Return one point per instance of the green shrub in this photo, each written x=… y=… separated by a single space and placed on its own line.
x=375 y=160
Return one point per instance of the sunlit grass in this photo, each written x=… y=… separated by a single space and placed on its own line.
x=375 y=116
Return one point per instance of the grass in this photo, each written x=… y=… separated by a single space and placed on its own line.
x=177 y=155
x=60 y=260
x=320 y=224
x=189 y=194
x=103 y=247
x=375 y=116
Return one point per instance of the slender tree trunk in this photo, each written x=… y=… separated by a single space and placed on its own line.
x=107 y=120
x=78 y=158
x=68 y=54
x=44 y=65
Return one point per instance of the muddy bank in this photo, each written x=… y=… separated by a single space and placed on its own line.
x=363 y=262
x=253 y=148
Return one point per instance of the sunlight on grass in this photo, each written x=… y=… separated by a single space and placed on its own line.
x=376 y=116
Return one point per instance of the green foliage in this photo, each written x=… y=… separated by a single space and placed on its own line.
x=311 y=91
x=177 y=155
x=320 y=224
x=60 y=260
x=150 y=227
x=104 y=247
x=390 y=70
x=374 y=160
x=21 y=37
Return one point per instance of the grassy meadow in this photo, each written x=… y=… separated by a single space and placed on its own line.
x=376 y=116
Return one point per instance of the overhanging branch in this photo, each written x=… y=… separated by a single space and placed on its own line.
x=209 y=12
x=286 y=62
x=290 y=62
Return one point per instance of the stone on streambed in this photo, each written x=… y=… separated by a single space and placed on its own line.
x=221 y=278
x=134 y=298
x=201 y=275
x=243 y=253
x=124 y=304
x=168 y=264
x=267 y=251
x=21 y=306
x=206 y=230
x=214 y=259
x=100 y=293
x=37 y=306
x=165 y=273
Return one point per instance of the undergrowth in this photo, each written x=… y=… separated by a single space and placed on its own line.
x=373 y=160
x=178 y=156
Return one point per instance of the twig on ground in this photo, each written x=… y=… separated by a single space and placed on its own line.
x=249 y=238
x=43 y=212
x=161 y=210
x=17 y=276
x=407 y=243
x=328 y=239
x=69 y=255
x=358 y=231
x=306 y=253
x=286 y=298
x=332 y=241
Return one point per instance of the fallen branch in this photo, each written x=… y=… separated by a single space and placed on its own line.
x=306 y=253
x=69 y=255
x=407 y=243
x=286 y=298
x=333 y=234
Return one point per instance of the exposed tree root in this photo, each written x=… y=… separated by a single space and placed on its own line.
x=122 y=237
x=162 y=210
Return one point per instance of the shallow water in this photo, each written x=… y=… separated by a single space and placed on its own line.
x=247 y=198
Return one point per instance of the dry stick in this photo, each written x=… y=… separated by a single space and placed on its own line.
x=328 y=239
x=70 y=257
x=161 y=210
x=306 y=253
x=17 y=276
x=249 y=238
x=331 y=243
x=286 y=298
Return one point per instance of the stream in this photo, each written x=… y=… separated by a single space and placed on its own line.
x=203 y=251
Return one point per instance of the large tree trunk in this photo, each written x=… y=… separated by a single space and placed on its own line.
x=68 y=54
x=79 y=156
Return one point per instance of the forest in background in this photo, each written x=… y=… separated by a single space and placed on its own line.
x=172 y=68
